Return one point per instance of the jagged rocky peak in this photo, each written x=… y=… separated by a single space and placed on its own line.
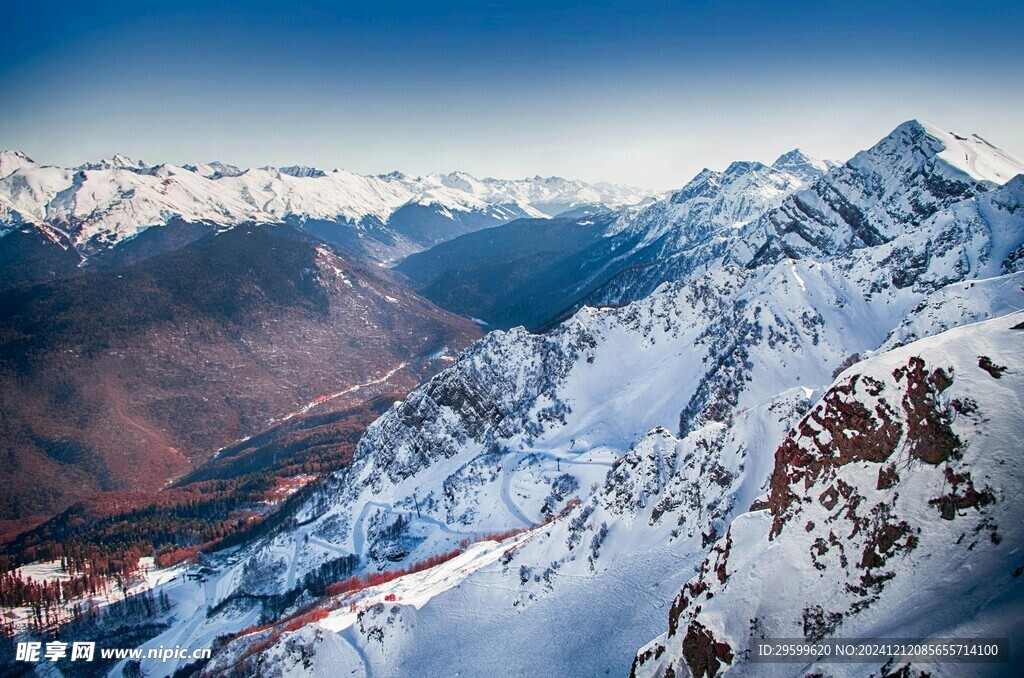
x=118 y=161
x=801 y=165
x=705 y=182
x=301 y=172
x=917 y=147
x=741 y=167
x=881 y=193
x=214 y=170
x=790 y=172
x=461 y=181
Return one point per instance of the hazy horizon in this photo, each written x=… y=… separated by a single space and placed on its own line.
x=645 y=95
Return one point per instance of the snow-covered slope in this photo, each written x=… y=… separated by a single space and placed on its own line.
x=11 y=161
x=642 y=521
x=894 y=510
x=104 y=203
x=671 y=238
x=601 y=258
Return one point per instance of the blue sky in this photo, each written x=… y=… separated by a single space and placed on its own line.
x=640 y=92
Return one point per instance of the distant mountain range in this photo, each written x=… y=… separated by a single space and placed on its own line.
x=533 y=273
x=81 y=216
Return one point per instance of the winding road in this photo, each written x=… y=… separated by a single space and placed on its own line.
x=510 y=464
x=508 y=469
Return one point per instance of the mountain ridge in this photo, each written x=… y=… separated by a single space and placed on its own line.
x=102 y=204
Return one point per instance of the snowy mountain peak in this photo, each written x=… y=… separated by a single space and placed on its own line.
x=301 y=172
x=214 y=170
x=749 y=182
x=880 y=194
x=800 y=164
x=11 y=161
x=741 y=167
x=921 y=146
x=118 y=161
x=14 y=154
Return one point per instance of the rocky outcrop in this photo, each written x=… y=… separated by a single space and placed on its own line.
x=907 y=456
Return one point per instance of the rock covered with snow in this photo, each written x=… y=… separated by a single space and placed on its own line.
x=893 y=509
x=879 y=194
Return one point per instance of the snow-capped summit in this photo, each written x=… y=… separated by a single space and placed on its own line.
x=301 y=172
x=971 y=155
x=799 y=164
x=118 y=161
x=11 y=161
x=881 y=193
x=917 y=147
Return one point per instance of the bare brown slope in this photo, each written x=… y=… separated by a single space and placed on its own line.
x=124 y=379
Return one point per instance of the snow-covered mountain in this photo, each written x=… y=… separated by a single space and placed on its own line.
x=602 y=259
x=893 y=510
x=671 y=238
x=100 y=205
x=579 y=477
x=11 y=161
x=913 y=173
x=907 y=177
x=754 y=213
